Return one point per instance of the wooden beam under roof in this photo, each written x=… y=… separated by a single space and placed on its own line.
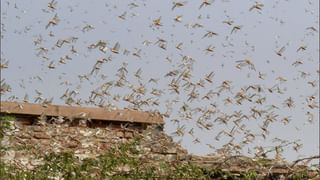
x=17 y=108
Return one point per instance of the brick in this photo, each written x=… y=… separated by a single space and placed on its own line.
x=128 y=135
x=71 y=144
x=38 y=129
x=171 y=157
x=119 y=134
x=103 y=146
x=40 y=135
x=45 y=142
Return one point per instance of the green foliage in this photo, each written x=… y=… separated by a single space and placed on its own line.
x=22 y=147
x=251 y=175
x=5 y=124
x=300 y=175
x=68 y=166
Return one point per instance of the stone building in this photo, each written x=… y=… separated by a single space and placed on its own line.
x=90 y=132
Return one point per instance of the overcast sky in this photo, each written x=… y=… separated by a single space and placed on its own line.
x=30 y=48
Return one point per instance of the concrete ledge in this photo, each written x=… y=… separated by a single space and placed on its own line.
x=80 y=112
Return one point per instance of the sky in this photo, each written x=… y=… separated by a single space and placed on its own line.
x=159 y=37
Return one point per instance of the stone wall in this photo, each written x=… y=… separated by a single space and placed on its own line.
x=23 y=142
x=83 y=141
